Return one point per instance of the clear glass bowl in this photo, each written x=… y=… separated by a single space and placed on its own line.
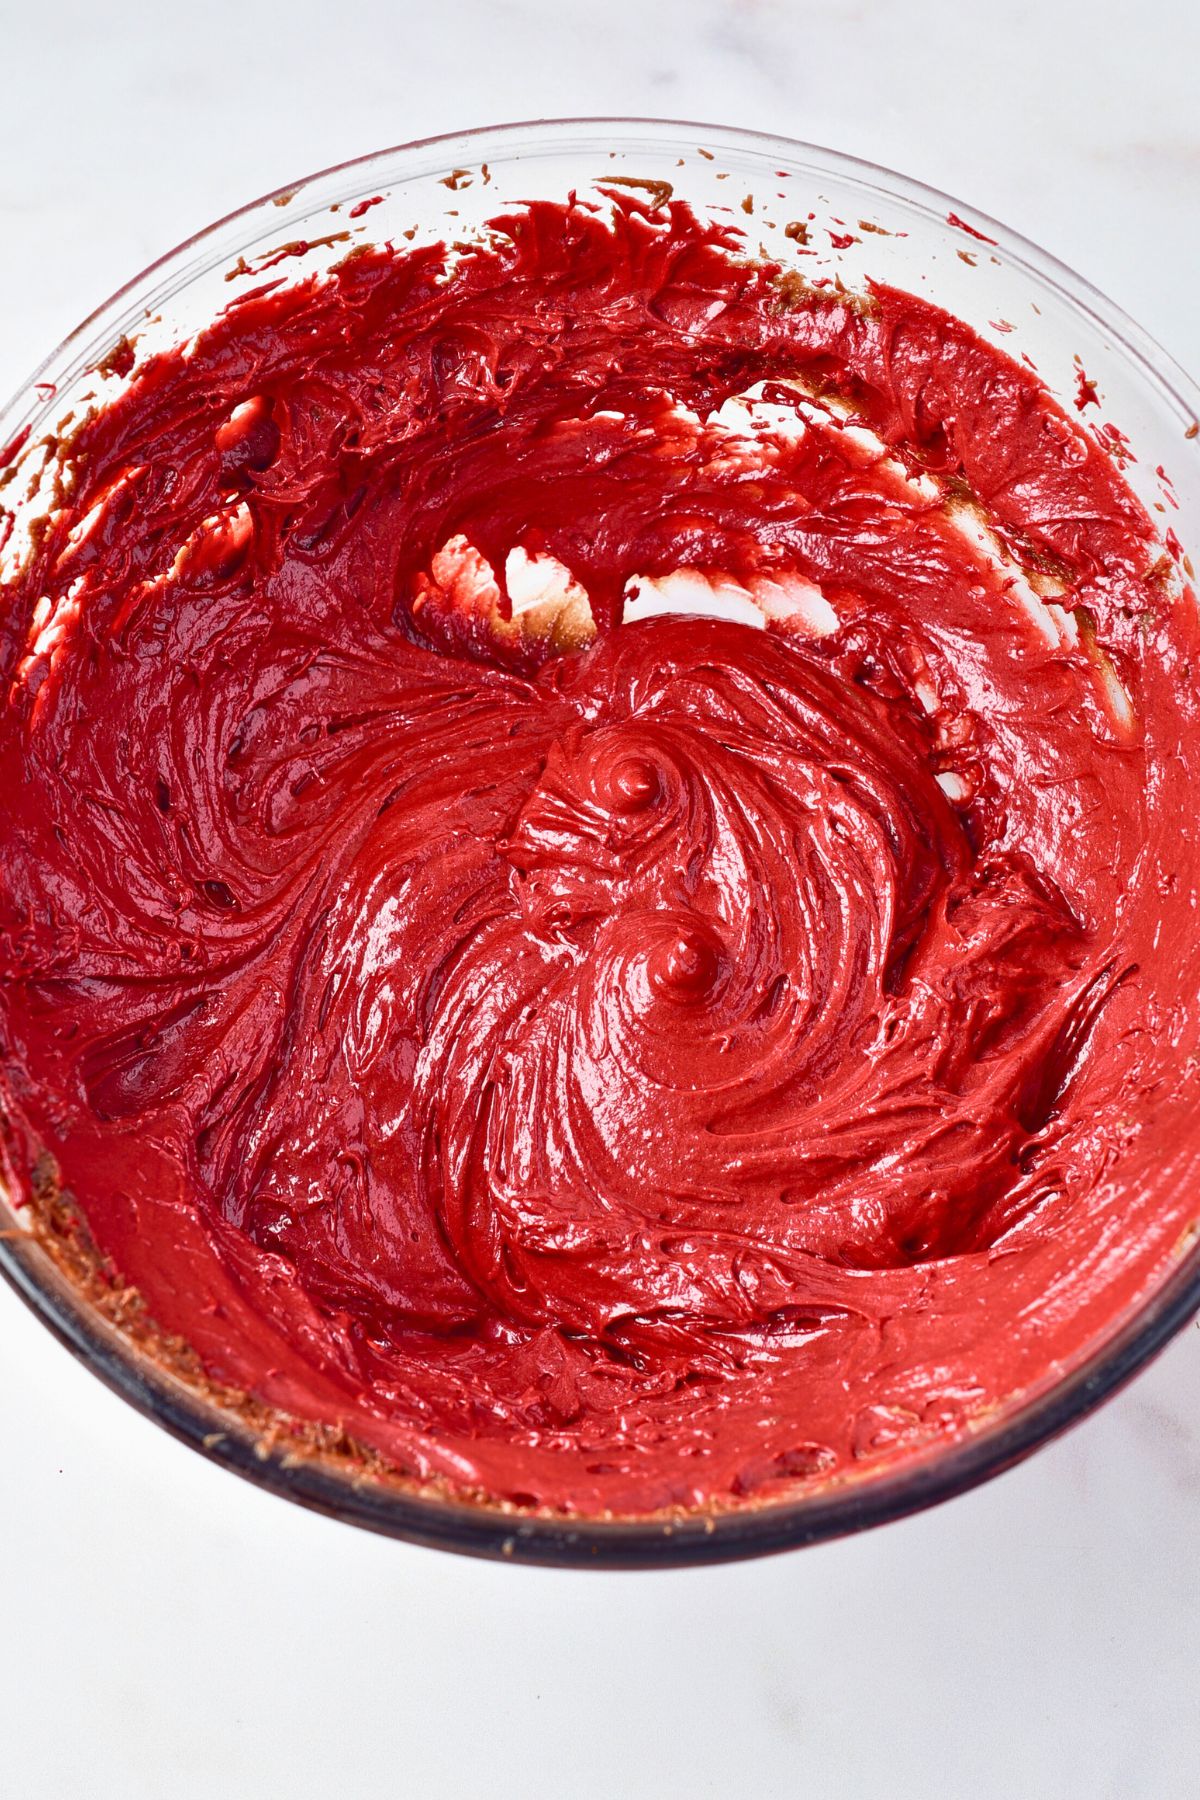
x=899 y=232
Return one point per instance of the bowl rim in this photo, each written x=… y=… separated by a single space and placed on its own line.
x=488 y=1530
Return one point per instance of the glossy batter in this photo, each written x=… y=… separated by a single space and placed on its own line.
x=599 y=871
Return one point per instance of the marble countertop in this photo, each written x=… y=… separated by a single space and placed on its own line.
x=170 y=1631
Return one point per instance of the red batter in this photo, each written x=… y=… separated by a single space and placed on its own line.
x=605 y=1064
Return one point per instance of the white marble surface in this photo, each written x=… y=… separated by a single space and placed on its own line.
x=168 y=1631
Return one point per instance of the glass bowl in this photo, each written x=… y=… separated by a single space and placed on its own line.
x=865 y=221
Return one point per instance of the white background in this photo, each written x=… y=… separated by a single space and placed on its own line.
x=168 y=1632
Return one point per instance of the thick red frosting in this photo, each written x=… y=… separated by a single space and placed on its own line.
x=605 y=1064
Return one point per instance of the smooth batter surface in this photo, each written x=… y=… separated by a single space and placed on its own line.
x=606 y=1064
